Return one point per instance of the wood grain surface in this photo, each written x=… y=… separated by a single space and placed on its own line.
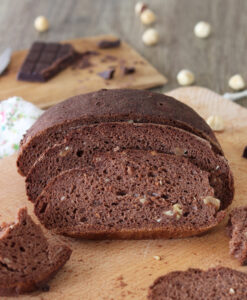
x=212 y=60
x=74 y=80
x=124 y=269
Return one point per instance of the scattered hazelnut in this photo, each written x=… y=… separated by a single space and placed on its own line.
x=169 y=213
x=153 y=153
x=185 y=77
x=178 y=211
x=216 y=123
x=143 y=200
x=148 y=17
x=116 y=149
x=139 y=8
x=157 y=257
x=6 y=260
x=236 y=82
x=62 y=198
x=202 y=30
x=150 y=37
x=217 y=168
x=213 y=201
x=130 y=121
x=64 y=152
x=179 y=151
x=107 y=180
x=159 y=220
x=231 y=291
x=41 y=24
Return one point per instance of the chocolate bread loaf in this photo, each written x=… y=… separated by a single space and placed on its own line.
x=130 y=194
x=194 y=284
x=27 y=258
x=108 y=106
x=82 y=143
x=237 y=230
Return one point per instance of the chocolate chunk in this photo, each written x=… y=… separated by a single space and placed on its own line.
x=128 y=70
x=107 y=74
x=245 y=152
x=104 y=44
x=45 y=60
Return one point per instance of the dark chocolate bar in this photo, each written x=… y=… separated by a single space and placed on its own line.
x=45 y=60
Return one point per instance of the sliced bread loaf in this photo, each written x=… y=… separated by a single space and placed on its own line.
x=80 y=146
x=130 y=194
x=237 y=230
x=194 y=284
x=108 y=106
x=27 y=258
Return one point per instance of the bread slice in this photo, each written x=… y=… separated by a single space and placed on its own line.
x=27 y=258
x=108 y=106
x=237 y=230
x=130 y=194
x=80 y=146
x=194 y=284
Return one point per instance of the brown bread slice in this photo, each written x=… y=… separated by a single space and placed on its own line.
x=237 y=230
x=131 y=194
x=194 y=284
x=108 y=106
x=27 y=258
x=84 y=142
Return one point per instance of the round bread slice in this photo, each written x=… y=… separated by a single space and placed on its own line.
x=80 y=146
x=27 y=258
x=130 y=194
x=108 y=106
x=195 y=284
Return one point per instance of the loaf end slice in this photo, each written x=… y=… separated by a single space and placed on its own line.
x=237 y=230
x=132 y=194
x=27 y=258
x=195 y=284
x=108 y=106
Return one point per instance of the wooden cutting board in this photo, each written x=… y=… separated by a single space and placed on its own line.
x=124 y=269
x=74 y=81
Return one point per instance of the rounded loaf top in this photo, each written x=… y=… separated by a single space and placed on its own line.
x=119 y=105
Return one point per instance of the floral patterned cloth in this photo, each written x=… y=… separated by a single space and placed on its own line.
x=16 y=116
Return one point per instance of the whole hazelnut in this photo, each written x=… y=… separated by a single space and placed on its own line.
x=150 y=37
x=185 y=77
x=148 y=17
x=236 y=82
x=41 y=24
x=216 y=123
x=202 y=30
x=139 y=8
